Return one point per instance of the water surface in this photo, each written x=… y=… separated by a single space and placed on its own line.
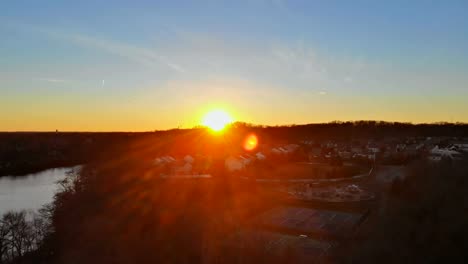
x=32 y=191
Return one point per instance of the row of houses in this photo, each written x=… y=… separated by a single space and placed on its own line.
x=327 y=150
x=285 y=150
x=232 y=163
x=186 y=166
x=182 y=166
x=240 y=162
x=384 y=149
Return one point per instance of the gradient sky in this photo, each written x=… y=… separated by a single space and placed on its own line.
x=145 y=65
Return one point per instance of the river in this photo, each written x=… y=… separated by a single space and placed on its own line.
x=32 y=191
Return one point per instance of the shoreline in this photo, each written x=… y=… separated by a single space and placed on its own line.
x=21 y=172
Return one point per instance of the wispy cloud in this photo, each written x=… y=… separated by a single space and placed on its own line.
x=52 y=80
x=145 y=56
x=137 y=54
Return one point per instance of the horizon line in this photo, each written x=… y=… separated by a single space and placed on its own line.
x=237 y=122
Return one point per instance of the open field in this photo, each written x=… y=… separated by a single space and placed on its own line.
x=302 y=171
x=308 y=221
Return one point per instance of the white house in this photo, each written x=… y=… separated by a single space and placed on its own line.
x=260 y=156
x=276 y=151
x=345 y=154
x=168 y=159
x=438 y=154
x=189 y=159
x=157 y=161
x=283 y=150
x=373 y=149
x=291 y=147
x=234 y=164
x=246 y=160
x=163 y=160
x=462 y=146
x=186 y=169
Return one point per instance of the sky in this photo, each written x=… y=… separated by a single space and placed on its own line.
x=146 y=65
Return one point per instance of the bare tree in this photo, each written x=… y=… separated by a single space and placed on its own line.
x=21 y=232
x=4 y=242
x=15 y=223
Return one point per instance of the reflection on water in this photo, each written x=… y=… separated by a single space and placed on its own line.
x=32 y=191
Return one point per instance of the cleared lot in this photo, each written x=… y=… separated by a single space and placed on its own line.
x=310 y=221
x=306 y=250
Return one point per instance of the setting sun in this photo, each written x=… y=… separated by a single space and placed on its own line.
x=216 y=119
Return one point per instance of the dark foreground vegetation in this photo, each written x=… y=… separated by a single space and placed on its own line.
x=119 y=211
x=126 y=214
x=421 y=220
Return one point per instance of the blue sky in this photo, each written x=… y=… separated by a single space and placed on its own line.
x=143 y=65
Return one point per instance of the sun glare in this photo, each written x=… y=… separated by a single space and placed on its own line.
x=216 y=120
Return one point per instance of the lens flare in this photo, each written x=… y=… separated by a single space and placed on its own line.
x=250 y=142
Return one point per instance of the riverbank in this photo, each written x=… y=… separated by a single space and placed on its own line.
x=27 y=169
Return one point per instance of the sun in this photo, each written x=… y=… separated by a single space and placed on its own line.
x=216 y=119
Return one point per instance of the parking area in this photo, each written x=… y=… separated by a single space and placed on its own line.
x=307 y=220
x=273 y=243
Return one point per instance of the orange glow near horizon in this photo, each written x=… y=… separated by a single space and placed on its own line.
x=217 y=120
x=250 y=142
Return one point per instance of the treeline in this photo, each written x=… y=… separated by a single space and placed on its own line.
x=22 y=153
x=360 y=129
